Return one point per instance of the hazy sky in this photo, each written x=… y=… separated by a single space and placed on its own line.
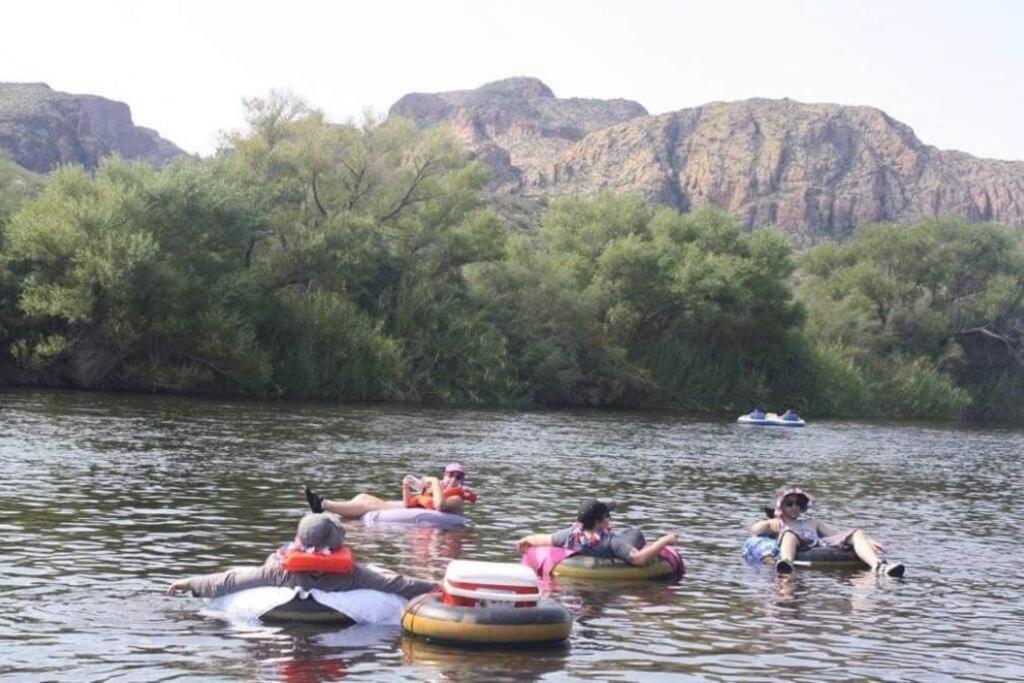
x=950 y=70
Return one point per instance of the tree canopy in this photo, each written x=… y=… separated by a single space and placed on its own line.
x=362 y=261
x=931 y=311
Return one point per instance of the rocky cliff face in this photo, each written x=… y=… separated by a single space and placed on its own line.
x=816 y=170
x=517 y=126
x=41 y=129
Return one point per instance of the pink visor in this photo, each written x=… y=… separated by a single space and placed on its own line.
x=455 y=467
x=791 y=491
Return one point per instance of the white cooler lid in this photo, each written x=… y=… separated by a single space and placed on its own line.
x=492 y=573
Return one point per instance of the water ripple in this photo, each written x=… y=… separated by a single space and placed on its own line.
x=107 y=498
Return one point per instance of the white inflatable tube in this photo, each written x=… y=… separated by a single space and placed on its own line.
x=415 y=517
x=360 y=606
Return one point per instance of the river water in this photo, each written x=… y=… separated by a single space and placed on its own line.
x=106 y=498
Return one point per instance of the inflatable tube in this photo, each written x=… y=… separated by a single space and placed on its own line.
x=610 y=569
x=306 y=610
x=770 y=420
x=765 y=550
x=428 y=617
x=280 y=603
x=421 y=517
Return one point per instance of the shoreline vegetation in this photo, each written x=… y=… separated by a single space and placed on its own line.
x=310 y=260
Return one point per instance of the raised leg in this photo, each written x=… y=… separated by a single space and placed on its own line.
x=357 y=506
x=788 y=544
x=865 y=549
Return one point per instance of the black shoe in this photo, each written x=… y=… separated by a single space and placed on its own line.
x=316 y=502
x=784 y=567
x=894 y=570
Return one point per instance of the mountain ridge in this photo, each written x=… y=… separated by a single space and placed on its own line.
x=815 y=169
x=42 y=128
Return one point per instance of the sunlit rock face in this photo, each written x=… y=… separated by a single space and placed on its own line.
x=517 y=126
x=817 y=170
x=41 y=129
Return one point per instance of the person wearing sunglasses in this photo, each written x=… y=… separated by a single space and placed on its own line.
x=796 y=532
x=447 y=494
x=592 y=535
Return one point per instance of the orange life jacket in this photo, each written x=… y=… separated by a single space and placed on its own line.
x=425 y=500
x=295 y=559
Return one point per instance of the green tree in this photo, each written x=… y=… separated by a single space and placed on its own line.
x=383 y=216
x=931 y=312
x=132 y=270
x=16 y=187
x=621 y=304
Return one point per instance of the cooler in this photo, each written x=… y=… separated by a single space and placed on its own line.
x=490 y=584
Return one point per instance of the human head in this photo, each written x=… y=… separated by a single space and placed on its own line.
x=455 y=470
x=789 y=494
x=593 y=511
x=321 y=530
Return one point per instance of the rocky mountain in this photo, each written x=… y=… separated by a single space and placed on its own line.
x=41 y=128
x=817 y=170
x=517 y=126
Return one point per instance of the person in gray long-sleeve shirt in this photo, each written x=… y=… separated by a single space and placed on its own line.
x=321 y=530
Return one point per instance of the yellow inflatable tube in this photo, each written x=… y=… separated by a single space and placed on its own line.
x=428 y=617
x=608 y=569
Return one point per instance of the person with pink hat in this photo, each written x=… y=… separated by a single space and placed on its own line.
x=795 y=532
x=447 y=494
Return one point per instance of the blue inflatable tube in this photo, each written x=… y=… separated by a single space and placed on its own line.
x=765 y=550
x=415 y=517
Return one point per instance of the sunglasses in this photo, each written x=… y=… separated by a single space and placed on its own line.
x=794 y=503
x=456 y=475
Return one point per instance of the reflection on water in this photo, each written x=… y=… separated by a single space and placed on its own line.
x=106 y=498
x=483 y=663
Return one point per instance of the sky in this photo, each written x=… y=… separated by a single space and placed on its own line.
x=951 y=70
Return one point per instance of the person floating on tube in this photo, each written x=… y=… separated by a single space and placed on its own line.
x=447 y=494
x=796 y=532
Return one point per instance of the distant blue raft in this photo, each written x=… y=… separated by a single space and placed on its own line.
x=770 y=420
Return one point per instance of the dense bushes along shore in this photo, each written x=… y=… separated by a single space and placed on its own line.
x=311 y=260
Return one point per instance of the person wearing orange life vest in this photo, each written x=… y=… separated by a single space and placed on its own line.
x=447 y=494
x=317 y=559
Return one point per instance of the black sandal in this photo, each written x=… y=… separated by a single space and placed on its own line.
x=316 y=502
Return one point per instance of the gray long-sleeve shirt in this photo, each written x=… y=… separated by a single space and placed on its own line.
x=270 y=573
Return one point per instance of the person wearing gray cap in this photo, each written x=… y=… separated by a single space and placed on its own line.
x=592 y=535
x=318 y=543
